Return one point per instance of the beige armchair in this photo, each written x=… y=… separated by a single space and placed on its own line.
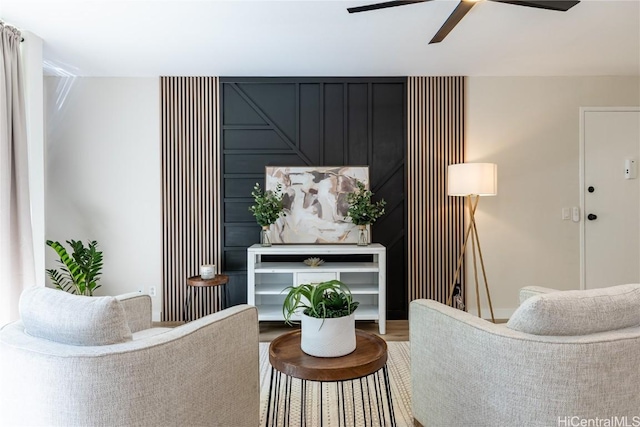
x=564 y=356
x=96 y=361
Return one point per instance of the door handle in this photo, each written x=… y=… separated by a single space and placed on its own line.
x=592 y=217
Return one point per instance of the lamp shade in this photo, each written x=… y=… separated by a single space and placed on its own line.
x=479 y=179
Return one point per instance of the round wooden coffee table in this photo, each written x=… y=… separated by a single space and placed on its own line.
x=197 y=282
x=361 y=379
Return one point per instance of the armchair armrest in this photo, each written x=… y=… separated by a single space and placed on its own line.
x=137 y=308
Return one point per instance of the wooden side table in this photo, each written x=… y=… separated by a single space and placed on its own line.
x=361 y=379
x=198 y=282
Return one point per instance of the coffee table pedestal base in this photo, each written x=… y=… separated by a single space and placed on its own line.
x=363 y=402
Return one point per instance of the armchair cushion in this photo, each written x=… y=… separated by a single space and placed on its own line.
x=579 y=312
x=72 y=319
x=532 y=291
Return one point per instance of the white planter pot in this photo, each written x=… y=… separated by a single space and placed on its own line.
x=328 y=337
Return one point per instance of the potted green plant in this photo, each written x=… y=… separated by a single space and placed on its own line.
x=80 y=271
x=363 y=211
x=327 y=316
x=266 y=209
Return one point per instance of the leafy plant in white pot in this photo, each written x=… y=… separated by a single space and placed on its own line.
x=363 y=211
x=267 y=208
x=327 y=316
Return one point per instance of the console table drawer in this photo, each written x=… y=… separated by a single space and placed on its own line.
x=304 y=278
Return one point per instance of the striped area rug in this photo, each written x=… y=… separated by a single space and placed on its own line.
x=399 y=377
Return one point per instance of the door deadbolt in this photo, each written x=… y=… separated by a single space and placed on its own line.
x=592 y=217
x=591 y=189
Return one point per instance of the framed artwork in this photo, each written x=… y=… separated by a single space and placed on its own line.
x=315 y=203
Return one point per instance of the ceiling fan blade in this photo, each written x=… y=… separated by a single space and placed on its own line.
x=462 y=9
x=384 y=5
x=559 y=5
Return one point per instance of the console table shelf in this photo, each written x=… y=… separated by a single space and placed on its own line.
x=266 y=281
x=297 y=267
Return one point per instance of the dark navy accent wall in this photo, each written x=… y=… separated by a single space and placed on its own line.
x=314 y=122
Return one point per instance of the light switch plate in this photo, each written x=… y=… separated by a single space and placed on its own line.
x=630 y=169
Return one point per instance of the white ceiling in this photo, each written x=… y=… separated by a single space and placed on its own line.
x=319 y=38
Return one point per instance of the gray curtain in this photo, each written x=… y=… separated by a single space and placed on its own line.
x=16 y=244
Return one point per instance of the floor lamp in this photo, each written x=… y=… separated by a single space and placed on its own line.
x=472 y=180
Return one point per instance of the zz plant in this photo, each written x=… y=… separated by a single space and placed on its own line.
x=324 y=300
x=80 y=271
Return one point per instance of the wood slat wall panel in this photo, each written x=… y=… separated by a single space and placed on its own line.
x=435 y=220
x=190 y=150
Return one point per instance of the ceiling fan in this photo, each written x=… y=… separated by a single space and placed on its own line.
x=464 y=6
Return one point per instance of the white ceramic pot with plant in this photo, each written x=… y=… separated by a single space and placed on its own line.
x=328 y=318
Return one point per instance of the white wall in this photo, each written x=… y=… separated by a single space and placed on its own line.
x=529 y=126
x=103 y=176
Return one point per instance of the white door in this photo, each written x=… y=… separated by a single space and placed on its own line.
x=610 y=197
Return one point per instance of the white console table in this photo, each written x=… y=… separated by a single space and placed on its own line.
x=367 y=280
